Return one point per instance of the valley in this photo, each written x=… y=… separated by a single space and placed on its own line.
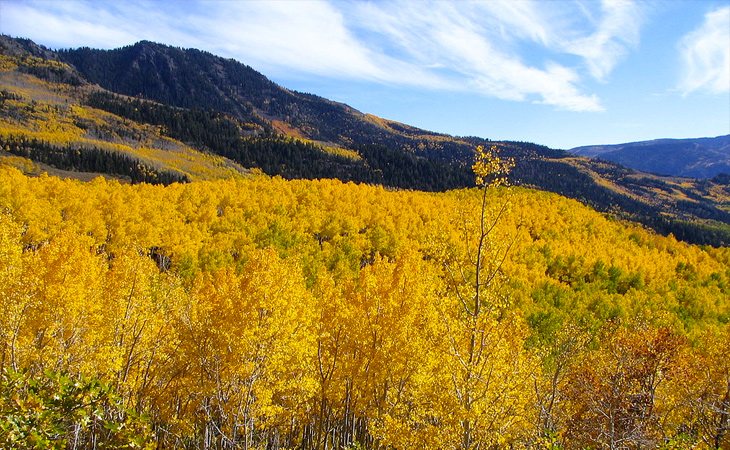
x=192 y=256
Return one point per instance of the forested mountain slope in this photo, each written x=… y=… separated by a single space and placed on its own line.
x=698 y=158
x=48 y=123
x=195 y=79
x=179 y=111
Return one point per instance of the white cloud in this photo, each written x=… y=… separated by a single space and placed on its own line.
x=616 y=33
x=705 y=54
x=462 y=38
x=64 y=30
x=305 y=35
x=513 y=50
x=62 y=24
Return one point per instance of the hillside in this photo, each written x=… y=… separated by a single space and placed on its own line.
x=269 y=313
x=191 y=115
x=697 y=158
x=191 y=78
x=48 y=123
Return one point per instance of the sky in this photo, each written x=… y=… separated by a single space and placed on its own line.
x=562 y=73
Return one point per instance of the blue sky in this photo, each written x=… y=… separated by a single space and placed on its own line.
x=558 y=73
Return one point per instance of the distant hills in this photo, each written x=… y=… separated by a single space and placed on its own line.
x=697 y=158
x=155 y=113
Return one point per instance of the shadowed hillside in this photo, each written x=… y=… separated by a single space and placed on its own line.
x=697 y=158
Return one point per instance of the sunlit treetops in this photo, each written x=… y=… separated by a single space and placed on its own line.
x=262 y=311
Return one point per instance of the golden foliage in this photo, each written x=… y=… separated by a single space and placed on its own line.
x=319 y=314
x=53 y=113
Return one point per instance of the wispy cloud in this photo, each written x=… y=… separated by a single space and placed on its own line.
x=705 y=53
x=74 y=23
x=615 y=34
x=486 y=47
x=62 y=27
x=308 y=36
x=456 y=42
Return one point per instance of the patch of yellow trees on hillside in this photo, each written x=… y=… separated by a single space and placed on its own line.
x=32 y=109
x=264 y=313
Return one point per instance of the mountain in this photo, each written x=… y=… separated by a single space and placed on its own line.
x=192 y=78
x=155 y=113
x=696 y=158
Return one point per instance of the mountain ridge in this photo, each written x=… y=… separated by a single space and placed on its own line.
x=192 y=78
x=703 y=157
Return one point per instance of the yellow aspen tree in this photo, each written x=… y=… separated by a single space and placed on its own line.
x=334 y=317
x=486 y=364
x=15 y=296
x=249 y=340
x=64 y=328
x=701 y=389
x=392 y=336
x=138 y=304
x=400 y=325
